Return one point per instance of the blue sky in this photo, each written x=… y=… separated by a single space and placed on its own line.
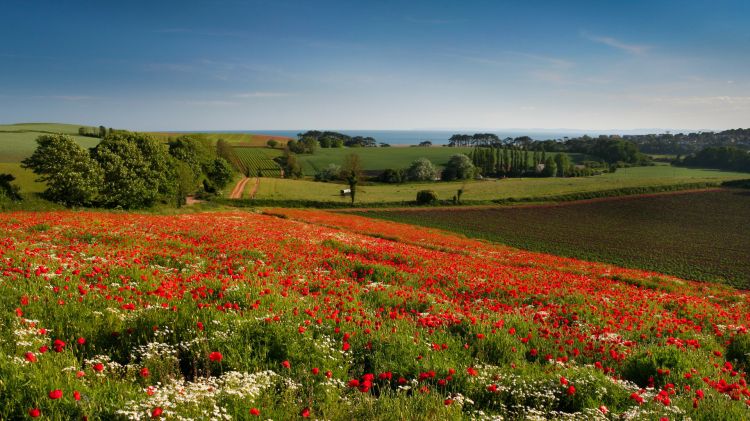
x=278 y=64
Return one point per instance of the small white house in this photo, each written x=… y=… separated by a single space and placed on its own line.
x=344 y=192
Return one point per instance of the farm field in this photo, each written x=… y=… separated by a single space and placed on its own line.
x=259 y=161
x=702 y=235
x=17 y=141
x=518 y=188
x=313 y=314
x=375 y=160
x=237 y=139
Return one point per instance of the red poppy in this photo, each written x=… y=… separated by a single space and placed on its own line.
x=254 y=412
x=55 y=394
x=156 y=413
x=35 y=413
x=215 y=356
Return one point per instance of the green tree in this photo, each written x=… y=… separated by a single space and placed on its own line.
x=138 y=171
x=351 y=171
x=459 y=167
x=8 y=190
x=71 y=176
x=219 y=174
x=550 y=167
x=421 y=170
x=184 y=182
x=563 y=164
x=272 y=143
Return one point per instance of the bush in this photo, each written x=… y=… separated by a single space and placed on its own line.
x=392 y=176
x=426 y=197
x=459 y=167
x=421 y=170
x=329 y=173
x=739 y=350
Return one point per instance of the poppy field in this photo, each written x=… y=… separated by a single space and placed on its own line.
x=702 y=235
x=309 y=314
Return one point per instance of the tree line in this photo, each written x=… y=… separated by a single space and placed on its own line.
x=512 y=161
x=329 y=139
x=687 y=143
x=127 y=170
x=720 y=158
x=610 y=149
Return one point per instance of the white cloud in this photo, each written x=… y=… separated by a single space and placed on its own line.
x=262 y=95
x=615 y=43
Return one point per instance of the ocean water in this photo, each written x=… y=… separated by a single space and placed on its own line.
x=414 y=137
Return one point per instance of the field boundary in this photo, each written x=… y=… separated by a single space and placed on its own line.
x=446 y=204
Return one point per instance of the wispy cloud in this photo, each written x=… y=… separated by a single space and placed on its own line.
x=208 y=102
x=65 y=97
x=431 y=21
x=736 y=101
x=615 y=43
x=262 y=95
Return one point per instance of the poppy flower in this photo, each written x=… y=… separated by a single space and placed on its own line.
x=35 y=413
x=254 y=412
x=215 y=356
x=55 y=394
x=156 y=413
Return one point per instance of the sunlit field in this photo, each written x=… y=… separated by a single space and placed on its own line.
x=307 y=313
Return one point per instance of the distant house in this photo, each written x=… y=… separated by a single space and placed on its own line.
x=539 y=167
x=344 y=192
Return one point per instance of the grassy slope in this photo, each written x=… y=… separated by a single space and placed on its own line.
x=238 y=139
x=499 y=189
x=17 y=142
x=378 y=159
x=703 y=236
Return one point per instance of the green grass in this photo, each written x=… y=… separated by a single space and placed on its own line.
x=17 y=141
x=375 y=160
x=237 y=139
x=513 y=188
x=25 y=179
x=702 y=236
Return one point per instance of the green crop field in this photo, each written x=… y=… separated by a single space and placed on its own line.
x=237 y=139
x=702 y=236
x=375 y=160
x=17 y=140
x=485 y=190
x=259 y=161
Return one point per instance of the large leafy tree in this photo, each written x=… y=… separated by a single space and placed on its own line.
x=459 y=167
x=71 y=175
x=138 y=171
x=421 y=170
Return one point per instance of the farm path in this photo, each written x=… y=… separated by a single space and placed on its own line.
x=239 y=188
x=251 y=194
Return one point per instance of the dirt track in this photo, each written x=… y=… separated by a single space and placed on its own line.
x=239 y=188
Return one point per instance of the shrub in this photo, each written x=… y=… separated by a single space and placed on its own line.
x=392 y=176
x=459 y=167
x=739 y=350
x=426 y=197
x=421 y=170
